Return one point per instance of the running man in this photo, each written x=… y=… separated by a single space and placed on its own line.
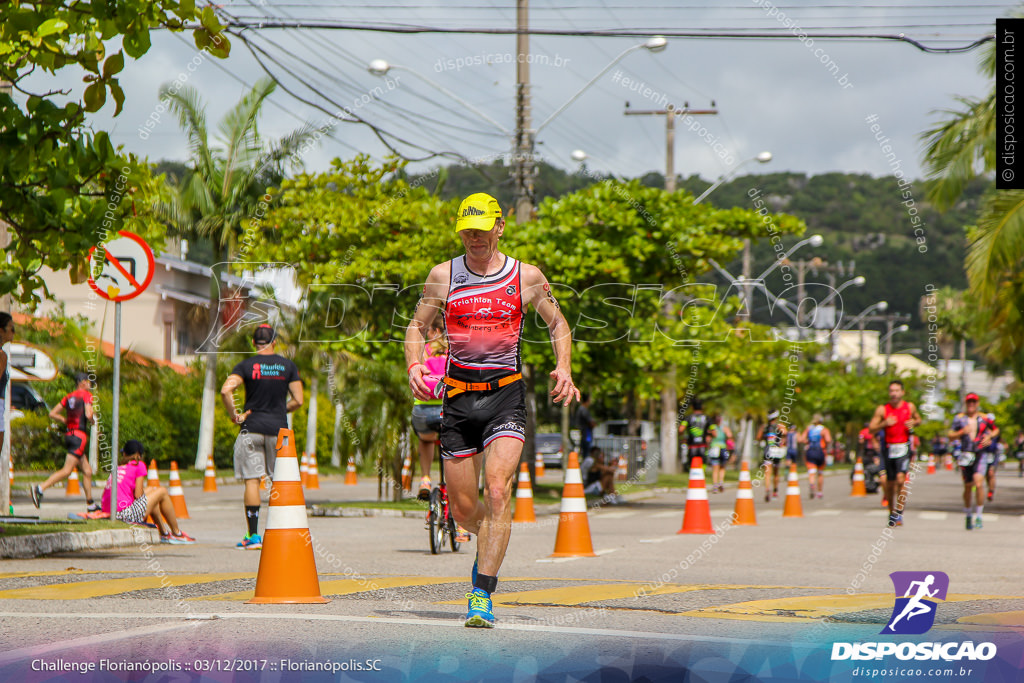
x=772 y=435
x=817 y=438
x=898 y=419
x=483 y=295
x=695 y=427
x=973 y=432
x=915 y=606
x=992 y=454
x=272 y=390
x=74 y=411
x=718 y=453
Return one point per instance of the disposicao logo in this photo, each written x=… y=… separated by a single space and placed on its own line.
x=916 y=592
x=913 y=614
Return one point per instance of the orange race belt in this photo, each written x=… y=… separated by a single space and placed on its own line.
x=459 y=387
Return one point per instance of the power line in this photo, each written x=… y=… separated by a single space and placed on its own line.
x=604 y=33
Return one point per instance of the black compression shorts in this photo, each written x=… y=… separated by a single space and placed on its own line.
x=471 y=420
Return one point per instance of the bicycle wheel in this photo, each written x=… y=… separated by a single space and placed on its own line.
x=452 y=532
x=435 y=522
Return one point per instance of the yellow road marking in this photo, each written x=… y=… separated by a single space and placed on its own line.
x=350 y=586
x=805 y=608
x=59 y=572
x=97 y=589
x=576 y=595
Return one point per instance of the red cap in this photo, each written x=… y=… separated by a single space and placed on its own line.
x=971 y=397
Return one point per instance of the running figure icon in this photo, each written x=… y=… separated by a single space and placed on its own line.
x=916 y=606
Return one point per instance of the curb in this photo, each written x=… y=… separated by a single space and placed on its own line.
x=23 y=547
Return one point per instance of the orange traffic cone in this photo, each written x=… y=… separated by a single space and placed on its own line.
x=407 y=474
x=793 y=506
x=697 y=514
x=858 y=490
x=303 y=470
x=313 y=475
x=210 y=478
x=573 y=537
x=350 y=473
x=177 y=493
x=949 y=461
x=524 y=497
x=538 y=465
x=73 y=488
x=743 y=514
x=623 y=473
x=153 y=474
x=287 y=572
x=931 y=464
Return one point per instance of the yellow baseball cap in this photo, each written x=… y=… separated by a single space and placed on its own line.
x=478 y=212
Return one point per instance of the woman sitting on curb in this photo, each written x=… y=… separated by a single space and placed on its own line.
x=136 y=501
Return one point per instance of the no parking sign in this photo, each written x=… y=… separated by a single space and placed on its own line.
x=126 y=269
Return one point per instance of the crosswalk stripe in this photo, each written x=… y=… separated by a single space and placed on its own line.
x=84 y=590
x=618 y=514
x=569 y=596
x=933 y=515
x=826 y=513
x=670 y=513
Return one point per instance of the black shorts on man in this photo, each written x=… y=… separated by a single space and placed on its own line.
x=471 y=420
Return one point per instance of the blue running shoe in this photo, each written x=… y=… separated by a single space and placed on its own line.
x=253 y=542
x=977 y=522
x=480 y=614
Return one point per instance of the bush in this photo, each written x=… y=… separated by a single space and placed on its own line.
x=37 y=442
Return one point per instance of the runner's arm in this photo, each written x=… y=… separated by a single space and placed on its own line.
x=915 y=417
x=435 y=292
x=877 y=420
x=538 y=293
x=140 y=486
x=227 y=397
x=295 y=401
x=55 y=414
x=89 y=410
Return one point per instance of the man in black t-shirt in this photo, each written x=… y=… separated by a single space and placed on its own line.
x=272 y=390
x=695 y=431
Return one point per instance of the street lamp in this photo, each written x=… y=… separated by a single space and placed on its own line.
x=654 y=44
x=887 y=339
x=380 y=67
x=579 y=156
x=813 y=240
x=762 y=158
x=859 y=321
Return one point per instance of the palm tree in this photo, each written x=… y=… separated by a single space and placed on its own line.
x=219 y=197
x=958 y=150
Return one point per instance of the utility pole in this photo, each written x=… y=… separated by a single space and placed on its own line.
x=670 y=113
x=669 y=396
x=522 y=168
x=6 y=88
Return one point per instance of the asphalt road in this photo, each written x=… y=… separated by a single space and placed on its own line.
x=766 y=601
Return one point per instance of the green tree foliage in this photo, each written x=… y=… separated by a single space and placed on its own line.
x=63 y=185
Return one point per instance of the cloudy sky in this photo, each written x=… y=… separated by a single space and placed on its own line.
x=771 y=94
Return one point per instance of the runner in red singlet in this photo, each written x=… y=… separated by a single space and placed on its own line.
x=483 y=295
x=898 y=418
x=75 y=411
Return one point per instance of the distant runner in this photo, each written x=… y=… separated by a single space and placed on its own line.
x=719 y=436
x=75 y=411
x=973 y=432
x=772 y=435
x=817 y=439
x=897 y=418
x=695 y=427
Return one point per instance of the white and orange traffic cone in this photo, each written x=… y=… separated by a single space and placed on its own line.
x=210 y=477
x=312 y=474
x=407 y=474
x=524 y=497
x=303 y=470
x=73 y=488
x=538 y=465
x=287 y=573
x=350 y=473
x=152 y=474
x=949 y=461
x=623 y=472
x=573 y=537
x=697 y=514
x=177 y=493
x=792 y=507
x=858 y=490
x=931 y=464
x=743 y=514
